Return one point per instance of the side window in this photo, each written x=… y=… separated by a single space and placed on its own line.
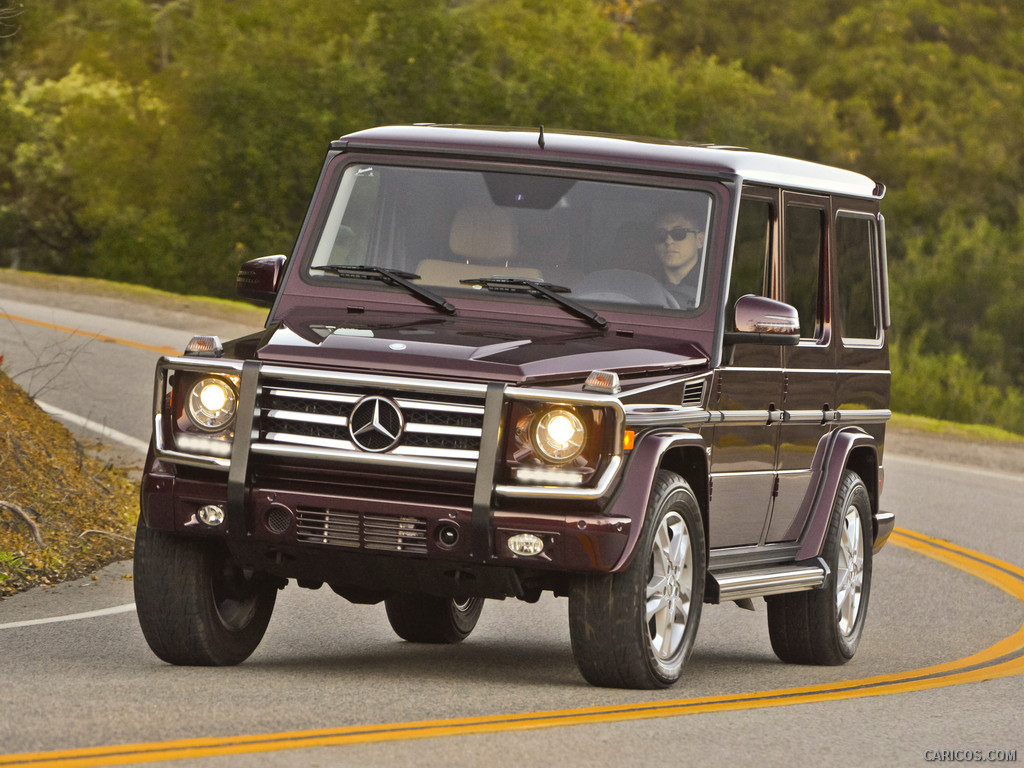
x=856 y=259
x=751 y=264
x=804 y=236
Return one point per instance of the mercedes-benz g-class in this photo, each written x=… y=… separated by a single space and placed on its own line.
x=640 y=374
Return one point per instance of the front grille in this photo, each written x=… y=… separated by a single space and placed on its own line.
x=318 y=417
x=351 y=529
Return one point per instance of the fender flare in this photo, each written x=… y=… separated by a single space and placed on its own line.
x=827 y=472
x=647 y=457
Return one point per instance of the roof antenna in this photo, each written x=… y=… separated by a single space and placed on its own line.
x=540 y=139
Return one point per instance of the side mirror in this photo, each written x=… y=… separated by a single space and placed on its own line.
x=259 y=279
x=760 y=320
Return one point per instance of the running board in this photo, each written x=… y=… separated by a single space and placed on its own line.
x=767 y=580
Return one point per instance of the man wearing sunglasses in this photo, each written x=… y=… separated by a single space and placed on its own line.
x=678 y=245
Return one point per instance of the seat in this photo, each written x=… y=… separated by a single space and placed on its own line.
x=483 y=238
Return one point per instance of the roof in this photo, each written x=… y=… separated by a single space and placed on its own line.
x=591 y=149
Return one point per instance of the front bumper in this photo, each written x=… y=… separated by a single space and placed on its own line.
x=294 y=483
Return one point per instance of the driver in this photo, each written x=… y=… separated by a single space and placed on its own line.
x=678 y=245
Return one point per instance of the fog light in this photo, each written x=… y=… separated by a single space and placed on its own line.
x=448 y=535
x=526 y=544
x=212 y=515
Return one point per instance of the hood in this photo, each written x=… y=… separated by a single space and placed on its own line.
x=471 y=349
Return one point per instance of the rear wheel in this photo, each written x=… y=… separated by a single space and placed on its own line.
x=636 y=628
x=195 y=605
x=420 y=618
x=824 y=626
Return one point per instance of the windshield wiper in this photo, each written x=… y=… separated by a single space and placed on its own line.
x=539 y=288
x=391 y=277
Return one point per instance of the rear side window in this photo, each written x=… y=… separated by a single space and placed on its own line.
x=856 y=260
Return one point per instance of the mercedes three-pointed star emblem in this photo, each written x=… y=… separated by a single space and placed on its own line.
x=376 y=424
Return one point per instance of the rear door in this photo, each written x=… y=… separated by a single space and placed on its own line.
x=809 y=369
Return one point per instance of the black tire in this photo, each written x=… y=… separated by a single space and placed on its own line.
x=615 y=641
x=824 y=626
x=195 y=606
x=427 y=619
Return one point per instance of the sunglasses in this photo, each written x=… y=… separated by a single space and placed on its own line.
x=676 y=233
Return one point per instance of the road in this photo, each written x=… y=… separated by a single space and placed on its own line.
x=939 y=668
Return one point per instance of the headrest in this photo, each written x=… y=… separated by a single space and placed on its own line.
x=484 y=234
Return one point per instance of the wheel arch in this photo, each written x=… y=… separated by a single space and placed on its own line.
x=851 y=448
x=684 y=453
x=690 y=462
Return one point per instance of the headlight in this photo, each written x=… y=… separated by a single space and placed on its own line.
x=559 y=436
x=211 y=404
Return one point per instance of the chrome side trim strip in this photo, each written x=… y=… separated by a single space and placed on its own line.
x=670 y=415
x=878 y=416
x=805 y=417
x=680 y=416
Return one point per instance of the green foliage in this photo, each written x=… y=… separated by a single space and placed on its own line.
x=164 y=141
x=946 y=386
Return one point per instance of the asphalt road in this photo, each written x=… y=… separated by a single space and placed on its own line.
x=939 y=669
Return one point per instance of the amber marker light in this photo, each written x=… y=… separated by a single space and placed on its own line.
x=628 y=440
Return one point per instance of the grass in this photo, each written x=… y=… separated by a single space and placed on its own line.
x=938 y=427
x=221 y=309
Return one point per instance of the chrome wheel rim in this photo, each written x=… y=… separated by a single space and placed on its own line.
x=850 y=572
x=670 y=587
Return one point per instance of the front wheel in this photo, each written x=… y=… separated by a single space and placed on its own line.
x=636 y=628
x=428 y=619
x=824 y=626
x=195 y=605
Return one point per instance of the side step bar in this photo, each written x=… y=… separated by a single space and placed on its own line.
x=767 y=580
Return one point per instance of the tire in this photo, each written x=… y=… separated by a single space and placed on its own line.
x=195 y=606
x=636 y=628
x=824 y=626
x=420 y=618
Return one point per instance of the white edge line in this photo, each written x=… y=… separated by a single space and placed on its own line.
x=107 y=433
x=71 y=617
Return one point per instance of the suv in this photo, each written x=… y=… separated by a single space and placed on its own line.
x=641 y=374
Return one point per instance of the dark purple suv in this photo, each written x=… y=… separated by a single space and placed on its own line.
x=643 y=375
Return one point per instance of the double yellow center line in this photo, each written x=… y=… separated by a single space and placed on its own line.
x=1003 y=659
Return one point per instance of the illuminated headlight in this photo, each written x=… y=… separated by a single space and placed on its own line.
x=211 y=404
x=559 y=436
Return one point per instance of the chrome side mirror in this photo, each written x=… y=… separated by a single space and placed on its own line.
x=760 y=320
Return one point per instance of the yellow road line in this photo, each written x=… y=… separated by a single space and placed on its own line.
x=1002 y=659
x=88 y=335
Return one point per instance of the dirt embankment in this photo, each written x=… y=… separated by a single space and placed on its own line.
x=63 y=513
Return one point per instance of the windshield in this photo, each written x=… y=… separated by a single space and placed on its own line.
x=609 y=244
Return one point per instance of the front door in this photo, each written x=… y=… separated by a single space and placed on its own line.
x=748 y=392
